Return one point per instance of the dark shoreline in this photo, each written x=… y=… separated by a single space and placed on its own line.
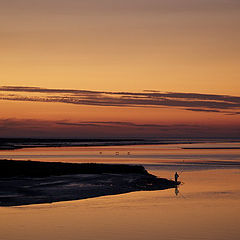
x=20 y=168
x=30 y=182
x=19 y=143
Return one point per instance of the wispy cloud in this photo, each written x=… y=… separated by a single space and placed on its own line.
x=126 y=125
x=226 y=104
x=203 y=110
x=87 y=129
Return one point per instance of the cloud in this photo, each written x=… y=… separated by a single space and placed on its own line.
x=110 y=129
x=123 y=124
x=10 y=123
x=233 y=113
x=146 y=99
x=202 y=110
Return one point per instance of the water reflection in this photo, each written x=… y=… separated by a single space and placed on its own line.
x=206 y=206
x=176 y=190
x=157 y=156
x=209 y=210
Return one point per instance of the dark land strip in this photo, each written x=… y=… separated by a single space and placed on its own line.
x=30 y=182
x=18 y=143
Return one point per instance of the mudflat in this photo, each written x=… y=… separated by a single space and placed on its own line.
x=31 y=182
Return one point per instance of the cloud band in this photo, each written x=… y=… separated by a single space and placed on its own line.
x=147 y=99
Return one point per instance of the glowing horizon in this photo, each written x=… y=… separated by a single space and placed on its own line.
x=160 y=66
x=39 y=112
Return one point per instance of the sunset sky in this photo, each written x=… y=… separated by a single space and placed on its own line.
x=129 y=68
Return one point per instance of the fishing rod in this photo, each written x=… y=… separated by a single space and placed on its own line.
x=181 y=170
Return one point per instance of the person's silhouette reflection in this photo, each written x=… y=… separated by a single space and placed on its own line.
x=176 y=190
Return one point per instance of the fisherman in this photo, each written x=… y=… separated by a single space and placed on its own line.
x=176 y=176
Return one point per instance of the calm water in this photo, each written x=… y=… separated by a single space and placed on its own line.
x=206 y=207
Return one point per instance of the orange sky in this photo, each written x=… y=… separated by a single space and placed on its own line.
x=113 y=46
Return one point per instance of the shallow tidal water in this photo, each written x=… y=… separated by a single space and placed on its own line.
x=205 y=206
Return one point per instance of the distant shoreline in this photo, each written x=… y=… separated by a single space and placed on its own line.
x=32 y=182
x=20 y=143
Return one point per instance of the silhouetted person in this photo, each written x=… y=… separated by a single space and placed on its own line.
x=176 y=176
